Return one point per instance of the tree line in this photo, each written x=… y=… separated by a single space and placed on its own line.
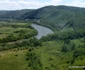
x=75 y=34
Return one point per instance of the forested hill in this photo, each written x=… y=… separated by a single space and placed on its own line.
x=59 y=17
x=14 y=14
x=54 y=17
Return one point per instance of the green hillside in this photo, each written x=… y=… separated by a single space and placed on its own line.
x=13 y=15
x=54 y=17
x=59 y=17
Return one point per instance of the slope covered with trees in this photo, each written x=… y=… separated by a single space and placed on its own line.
x=54 y=17
x=58 y=17
x=13 y=15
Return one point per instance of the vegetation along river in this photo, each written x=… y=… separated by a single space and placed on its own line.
x=42 y=31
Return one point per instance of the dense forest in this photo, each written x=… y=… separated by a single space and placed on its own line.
x=21 y=50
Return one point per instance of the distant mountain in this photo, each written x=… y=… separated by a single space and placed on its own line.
x=54 y=17
x=16 y=14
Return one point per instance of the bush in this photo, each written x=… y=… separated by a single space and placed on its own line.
x=34 y=61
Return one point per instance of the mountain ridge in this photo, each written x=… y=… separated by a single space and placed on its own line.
x=54 y=17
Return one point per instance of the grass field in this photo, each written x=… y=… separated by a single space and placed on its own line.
x=50 y=55
x=7 y=28
x=13 y=60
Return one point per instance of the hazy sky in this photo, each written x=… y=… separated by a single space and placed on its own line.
x=33 y=4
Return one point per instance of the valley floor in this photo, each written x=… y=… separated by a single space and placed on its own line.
x=20 y=50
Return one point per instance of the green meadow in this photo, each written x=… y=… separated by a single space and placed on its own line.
x=49 y=54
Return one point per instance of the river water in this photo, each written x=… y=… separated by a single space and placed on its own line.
x=42 y=31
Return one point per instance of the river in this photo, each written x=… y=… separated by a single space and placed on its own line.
x=42 y=31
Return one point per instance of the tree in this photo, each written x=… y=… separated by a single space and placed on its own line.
x=34 y=42
x=34 y=62
x=72 y=46
x=64 y=48
x=67 y=41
